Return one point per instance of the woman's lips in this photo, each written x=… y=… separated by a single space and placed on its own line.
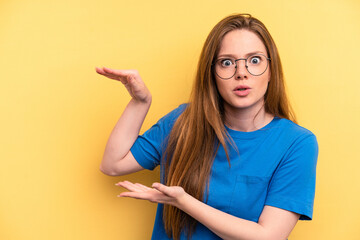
x=242 y=90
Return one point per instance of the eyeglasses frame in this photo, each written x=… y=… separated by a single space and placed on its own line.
x=236 y=60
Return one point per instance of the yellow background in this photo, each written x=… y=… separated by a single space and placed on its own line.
x=57 y=113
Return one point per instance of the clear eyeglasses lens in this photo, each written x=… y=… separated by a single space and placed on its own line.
x=226 y=67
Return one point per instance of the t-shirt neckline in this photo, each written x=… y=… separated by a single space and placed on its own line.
x=252 y=134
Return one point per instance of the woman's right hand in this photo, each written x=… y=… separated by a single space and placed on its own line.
x=131 y=80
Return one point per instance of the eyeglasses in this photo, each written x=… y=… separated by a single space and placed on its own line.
x=256 y=65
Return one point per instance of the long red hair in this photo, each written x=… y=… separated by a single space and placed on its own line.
x=199 y=130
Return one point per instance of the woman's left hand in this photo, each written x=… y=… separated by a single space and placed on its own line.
x=159 y=193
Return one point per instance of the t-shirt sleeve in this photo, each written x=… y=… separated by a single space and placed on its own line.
x=149 y=147
x=292 y=186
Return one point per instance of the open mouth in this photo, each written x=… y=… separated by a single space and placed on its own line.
x=241 y=88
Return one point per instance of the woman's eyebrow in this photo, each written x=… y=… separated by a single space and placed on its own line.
x=246 y=55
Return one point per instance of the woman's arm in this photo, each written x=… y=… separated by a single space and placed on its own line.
x=274 y=223
x=117 y=159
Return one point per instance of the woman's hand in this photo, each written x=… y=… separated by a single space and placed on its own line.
x=159 y=193
x=131 y=80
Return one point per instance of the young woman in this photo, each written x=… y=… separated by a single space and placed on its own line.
x=234 y=163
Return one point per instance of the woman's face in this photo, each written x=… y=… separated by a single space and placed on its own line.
x=242 y=91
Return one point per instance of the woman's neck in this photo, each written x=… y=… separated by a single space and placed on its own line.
x=246 y=120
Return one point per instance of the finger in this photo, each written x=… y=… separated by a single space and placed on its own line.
x=136 y=195
x=162 y=188
x=123 y=75
x=155 y=197
x=98 y=70
x=118 y=72
x=106 y=74
x=145 y=188
x=130 y=186
x=127 y=186
x=122 y=79
x=120 y=75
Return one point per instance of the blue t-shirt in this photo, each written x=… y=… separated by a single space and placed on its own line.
x=275 y=166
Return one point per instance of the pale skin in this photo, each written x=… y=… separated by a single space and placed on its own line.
x=274 y=223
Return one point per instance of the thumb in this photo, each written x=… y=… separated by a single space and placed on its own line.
x=162 y=188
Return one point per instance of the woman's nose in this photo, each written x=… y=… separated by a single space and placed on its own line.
x=241 y=70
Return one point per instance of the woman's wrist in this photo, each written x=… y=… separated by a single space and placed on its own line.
x=182 y=200
x=145 y=101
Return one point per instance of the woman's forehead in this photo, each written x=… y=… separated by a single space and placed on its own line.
x=241 y=42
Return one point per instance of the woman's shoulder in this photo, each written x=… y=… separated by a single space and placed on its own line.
x=296 y=139
x=180 y=109
x=173 y=115
x=293 y=129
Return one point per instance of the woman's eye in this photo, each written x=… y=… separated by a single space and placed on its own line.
x=226 y=62
x=255 y=60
